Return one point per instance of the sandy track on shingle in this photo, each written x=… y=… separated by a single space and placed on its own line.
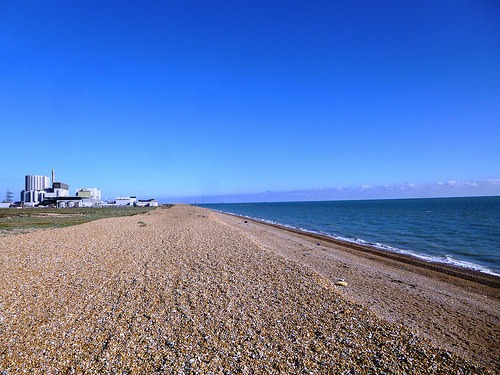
x=180 y=291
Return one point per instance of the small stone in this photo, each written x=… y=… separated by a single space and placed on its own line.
x=316 y=348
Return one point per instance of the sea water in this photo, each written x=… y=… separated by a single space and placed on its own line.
x=464 y=232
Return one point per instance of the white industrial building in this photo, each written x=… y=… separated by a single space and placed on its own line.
x=90 y=197
x=92 y=193
x=35 y=187
x=36 y=182
x=38 y=190
x=58 y=189
x=125 y=201
x=147 y=203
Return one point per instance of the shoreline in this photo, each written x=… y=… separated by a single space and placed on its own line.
x=470 y=274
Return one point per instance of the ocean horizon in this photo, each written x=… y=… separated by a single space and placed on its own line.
x=458 y=231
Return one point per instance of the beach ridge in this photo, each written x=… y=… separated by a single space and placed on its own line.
x=192 y=290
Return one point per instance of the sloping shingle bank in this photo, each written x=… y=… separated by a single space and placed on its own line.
x=180 y=291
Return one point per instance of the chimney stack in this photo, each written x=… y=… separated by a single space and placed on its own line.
x=53 y=176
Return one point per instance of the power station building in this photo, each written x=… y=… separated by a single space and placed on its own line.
x=38 y=190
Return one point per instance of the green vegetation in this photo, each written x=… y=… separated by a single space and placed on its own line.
x=14 y=221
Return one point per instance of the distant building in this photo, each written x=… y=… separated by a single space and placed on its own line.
x=125 y=201
x=36 y=182
x=38 y=191
x=35 y=187
x=92 y=193
x=58 y=189
x=63 y=202
x=91 y=197
x=147 y=203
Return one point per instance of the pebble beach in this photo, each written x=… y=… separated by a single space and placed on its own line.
x=186 y=290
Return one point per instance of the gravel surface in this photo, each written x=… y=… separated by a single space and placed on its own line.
x=180 y=291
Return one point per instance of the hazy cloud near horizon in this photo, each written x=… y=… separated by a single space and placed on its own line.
x=451 y=188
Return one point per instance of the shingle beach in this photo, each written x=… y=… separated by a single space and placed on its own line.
x=187 y=290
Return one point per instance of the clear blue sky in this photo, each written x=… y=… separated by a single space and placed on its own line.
x=201 y=98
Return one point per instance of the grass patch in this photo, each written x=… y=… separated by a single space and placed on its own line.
x=31 y=219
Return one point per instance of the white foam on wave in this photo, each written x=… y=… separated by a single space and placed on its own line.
x=446 y=259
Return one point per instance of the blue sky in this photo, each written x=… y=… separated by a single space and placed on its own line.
x=220 y=98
